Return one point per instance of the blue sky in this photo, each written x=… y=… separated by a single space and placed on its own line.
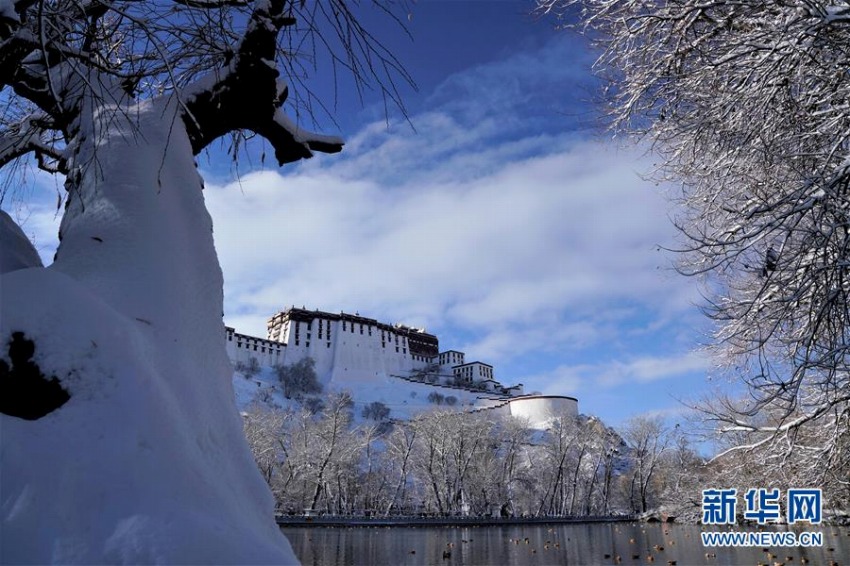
x=501 y=218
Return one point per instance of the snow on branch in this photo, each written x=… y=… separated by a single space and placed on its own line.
x=26 y=137
x=248 y=94
x=222 y=59
x=286 y=137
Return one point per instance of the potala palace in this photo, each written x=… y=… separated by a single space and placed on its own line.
x=355 y=352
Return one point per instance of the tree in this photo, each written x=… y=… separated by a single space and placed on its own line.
x=437 y=398
x=299 y=379
x=744 y=105
x=331 y=452
x=683 y=475
x=376 y=411
x=447 y=456
x=263 y=429
x=647 y=440
x=120 y=97
x=563 y=436
x=399 y=447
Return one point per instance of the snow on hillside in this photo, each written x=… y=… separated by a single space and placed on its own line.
x=404 y=398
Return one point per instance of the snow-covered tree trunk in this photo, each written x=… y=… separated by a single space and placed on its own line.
x=120 y=436
x=147 y=460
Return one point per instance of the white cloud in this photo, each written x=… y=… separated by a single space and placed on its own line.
x=491 y=223
x=640 y=370
x=572 y=232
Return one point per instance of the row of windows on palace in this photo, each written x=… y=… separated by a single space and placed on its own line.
x=327 y=329
x=260 y=345
x=257 y=344
x=466 y=371
x=345 y=326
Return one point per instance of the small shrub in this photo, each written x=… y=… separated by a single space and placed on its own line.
x=376 y=411
x=436 y=398
x=248 y=369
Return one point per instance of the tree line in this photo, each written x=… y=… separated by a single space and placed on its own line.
x=447 y=462
x=744 y=107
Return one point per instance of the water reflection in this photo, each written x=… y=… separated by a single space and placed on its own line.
x=533 y=545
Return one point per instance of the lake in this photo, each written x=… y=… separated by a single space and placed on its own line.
x=530 y=545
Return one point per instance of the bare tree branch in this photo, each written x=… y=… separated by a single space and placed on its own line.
x=745 y=105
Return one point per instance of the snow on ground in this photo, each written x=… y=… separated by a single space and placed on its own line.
x=405 y=399
x=16 y=252
x=147 y=461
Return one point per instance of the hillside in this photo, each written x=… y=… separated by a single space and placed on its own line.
x=403 y=397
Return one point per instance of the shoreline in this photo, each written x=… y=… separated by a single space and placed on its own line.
x=337 y=521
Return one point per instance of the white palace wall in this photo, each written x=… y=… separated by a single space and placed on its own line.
x=241 y=348
x=350 y=351
x=541 y=409
x=347 y=347
x=353 y=349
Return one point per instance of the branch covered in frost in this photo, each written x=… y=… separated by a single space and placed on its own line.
x=227 y=62
x=27 y=137
x=292 y=143
x=745 y=104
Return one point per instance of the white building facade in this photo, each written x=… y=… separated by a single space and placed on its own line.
x=241 y=348
x=344 y=344
x=350 y=347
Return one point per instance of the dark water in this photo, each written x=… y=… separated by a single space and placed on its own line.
x=575 y=544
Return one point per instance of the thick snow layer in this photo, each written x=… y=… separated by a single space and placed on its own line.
x=16 y=252
x=147 y=462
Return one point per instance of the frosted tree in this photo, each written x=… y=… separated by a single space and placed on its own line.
x=647 y=439
x=744 y=104
x=143 y=458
